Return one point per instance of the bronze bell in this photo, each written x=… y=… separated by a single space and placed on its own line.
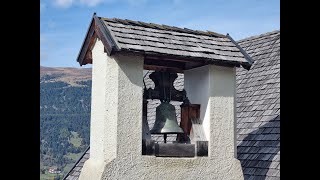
x=166 y=120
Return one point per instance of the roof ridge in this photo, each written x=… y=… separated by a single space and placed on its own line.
x=163 y=27
x=259 y=36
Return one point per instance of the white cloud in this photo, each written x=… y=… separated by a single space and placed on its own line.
x=63 y=3
x=91 y=3
x=69 y=3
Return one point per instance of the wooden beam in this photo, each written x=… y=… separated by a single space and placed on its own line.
x=107 y=46
x=197 y=60
x=163 y=68
x=174 y=150
x=174 y=64
x=86 y=42
x=93 y=40
x=171 y=58
x=179 y=58
x=188 y=112
x=104 y=36
x=88 y=57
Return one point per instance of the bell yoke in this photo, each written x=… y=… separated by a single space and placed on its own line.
x=166 y=120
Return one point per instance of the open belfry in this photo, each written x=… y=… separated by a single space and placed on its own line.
x=122 y=145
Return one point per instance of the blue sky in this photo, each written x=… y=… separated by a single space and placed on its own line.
x=63 y=23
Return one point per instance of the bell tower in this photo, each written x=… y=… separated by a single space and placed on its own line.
x=121 y=144
x=120 y=150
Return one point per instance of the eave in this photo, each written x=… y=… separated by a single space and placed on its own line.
x=96 y=30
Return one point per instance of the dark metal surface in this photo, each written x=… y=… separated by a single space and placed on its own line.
x=246 y=56
x=164 y=89
x=166 y=120
x=147 y=147
x=202 y=148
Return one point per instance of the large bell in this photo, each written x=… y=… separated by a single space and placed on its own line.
x=166 y=121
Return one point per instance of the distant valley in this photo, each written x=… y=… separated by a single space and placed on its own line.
x=65 y=97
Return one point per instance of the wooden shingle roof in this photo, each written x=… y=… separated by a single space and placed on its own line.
x=151 y=39
x=258 y=109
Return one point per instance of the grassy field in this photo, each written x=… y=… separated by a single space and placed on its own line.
x=47 y=176
x=75 y=139
x=73 y=156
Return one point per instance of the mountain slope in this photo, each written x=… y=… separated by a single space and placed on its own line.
x=67 y=75
x=65 y=97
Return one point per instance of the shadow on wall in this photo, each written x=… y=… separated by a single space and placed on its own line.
x=258 y=149
x=130 y=65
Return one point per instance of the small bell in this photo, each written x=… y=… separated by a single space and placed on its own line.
x=166 y=121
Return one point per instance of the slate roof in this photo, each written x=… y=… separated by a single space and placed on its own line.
x=156 y=39
x=258 y=109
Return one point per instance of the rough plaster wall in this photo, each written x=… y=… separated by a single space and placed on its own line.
x=123 y=128
x=214 y=88
x=129 y=121
x=98 y=101
x=222 y=108
x=111 y=110
x=173 y=169
x=130 y=165
x=118 y=102
x=94 y=166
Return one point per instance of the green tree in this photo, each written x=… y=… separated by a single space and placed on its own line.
x=43 y=170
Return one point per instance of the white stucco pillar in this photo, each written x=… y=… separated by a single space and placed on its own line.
x=129 y=106
x=116 y=109
x=214 y=88
x=98 y=105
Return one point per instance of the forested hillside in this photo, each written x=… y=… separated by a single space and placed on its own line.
x=65 y=97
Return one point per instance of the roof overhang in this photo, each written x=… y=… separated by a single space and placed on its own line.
x=153 y=61
x=96 y=30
